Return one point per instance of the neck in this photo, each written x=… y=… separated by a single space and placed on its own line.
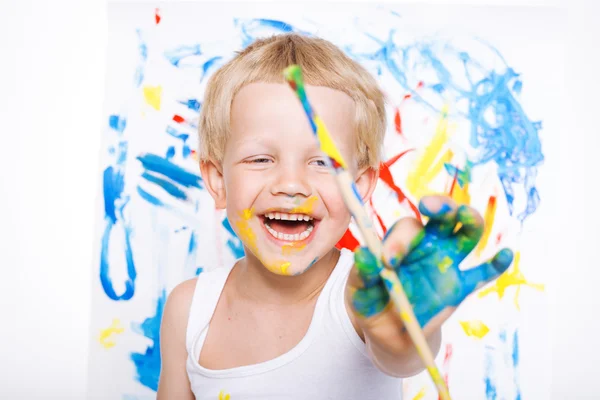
x=255 y=282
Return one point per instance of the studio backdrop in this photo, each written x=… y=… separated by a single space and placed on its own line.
x=467 y=91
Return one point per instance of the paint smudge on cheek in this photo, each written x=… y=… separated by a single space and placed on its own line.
x=249 y=238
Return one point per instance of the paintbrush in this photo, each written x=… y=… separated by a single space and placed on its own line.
x=353 y=200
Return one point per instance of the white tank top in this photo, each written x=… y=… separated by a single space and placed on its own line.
x=330 y=362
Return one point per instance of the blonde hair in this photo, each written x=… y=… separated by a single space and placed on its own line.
x=322 y=63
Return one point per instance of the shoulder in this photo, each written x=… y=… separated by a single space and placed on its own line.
x=177 y=308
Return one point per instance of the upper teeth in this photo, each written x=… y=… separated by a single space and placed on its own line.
x=288 y=217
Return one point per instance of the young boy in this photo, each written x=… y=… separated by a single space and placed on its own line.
x=296 y=318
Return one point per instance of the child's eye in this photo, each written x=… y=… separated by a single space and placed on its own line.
x=320 y=163
x=260 y=160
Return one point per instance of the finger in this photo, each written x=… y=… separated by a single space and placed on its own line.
x=369 y=302
x=366 y=269
x=475 y=277
x=403 y=236
x=471 y=230
x=441 y=211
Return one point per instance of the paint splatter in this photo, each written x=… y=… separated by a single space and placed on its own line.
x=148 y=364
x=489 y=215
x=234 y=243
x=106 y=337
x=500 y=130
x=152 y=96
x=475 y=328
x=224 y=396
x=180 y=53
x=420 y=395
x=157 y=17
x=512 y=277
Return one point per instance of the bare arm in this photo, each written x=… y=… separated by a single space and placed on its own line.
x=174 y=383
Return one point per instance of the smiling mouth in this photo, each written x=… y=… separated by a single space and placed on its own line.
x=289 y=227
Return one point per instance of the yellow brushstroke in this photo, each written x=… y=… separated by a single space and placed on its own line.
x=284 y=267
x=445 y=264
x=327 y=145
x=490 y=214
x=115 y=328
x=475 y=328
x=461 y=194
x=224 y=396
x=512 y=277
x=152 y=95
x=419 y=395
x=426 y=168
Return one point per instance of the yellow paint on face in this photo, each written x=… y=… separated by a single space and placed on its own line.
x=327 y=145
x=248 y=237
x=475 y=328
x=115 y=328
x=426 y=167
x=289 y=248
x=419 y=395
x=445 y=264
x=490 y=214
x=152 y=95
x=306 y=207
x=512 y=277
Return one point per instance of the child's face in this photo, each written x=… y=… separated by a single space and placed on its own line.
x=281 y=200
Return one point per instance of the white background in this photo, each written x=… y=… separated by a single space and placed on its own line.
x=52 y=67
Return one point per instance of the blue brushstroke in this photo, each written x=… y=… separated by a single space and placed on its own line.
x=186 y=151
x=150 y=198
x=143 y=57
x=176 y=134
x=148 y=364
x=515 y=361
x=491 y=393
x=260 y=27
x=113 y=185
x=192 y=104
x=193 y=245
x=176 y=55
x=199 y=271
x=209 y=64
x=511 y=140
x=166 y=185
x=117 y=122
x=170 y=152
x=463 y=176
x=234 y=244
x=160 y=165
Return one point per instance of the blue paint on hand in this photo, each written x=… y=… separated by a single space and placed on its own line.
x=430 y=272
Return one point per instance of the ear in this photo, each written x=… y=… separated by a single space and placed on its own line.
x=212 y=174
x=366 y=180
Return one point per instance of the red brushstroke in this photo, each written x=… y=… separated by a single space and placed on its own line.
x=453 y=183
x=398 y=121
x=420 y=85
x=379 y=219
x=348 y=241
x=157 y=16
x=446 y=364
x=407 y=96
x=386 y=176
x=177 y=118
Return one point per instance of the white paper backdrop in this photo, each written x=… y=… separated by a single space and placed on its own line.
x=158 y=226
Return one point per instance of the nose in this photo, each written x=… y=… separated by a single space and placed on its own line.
x=291 y=180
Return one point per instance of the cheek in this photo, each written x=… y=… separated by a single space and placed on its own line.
x=334 y=202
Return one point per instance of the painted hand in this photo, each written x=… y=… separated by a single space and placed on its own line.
x=426 y=259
